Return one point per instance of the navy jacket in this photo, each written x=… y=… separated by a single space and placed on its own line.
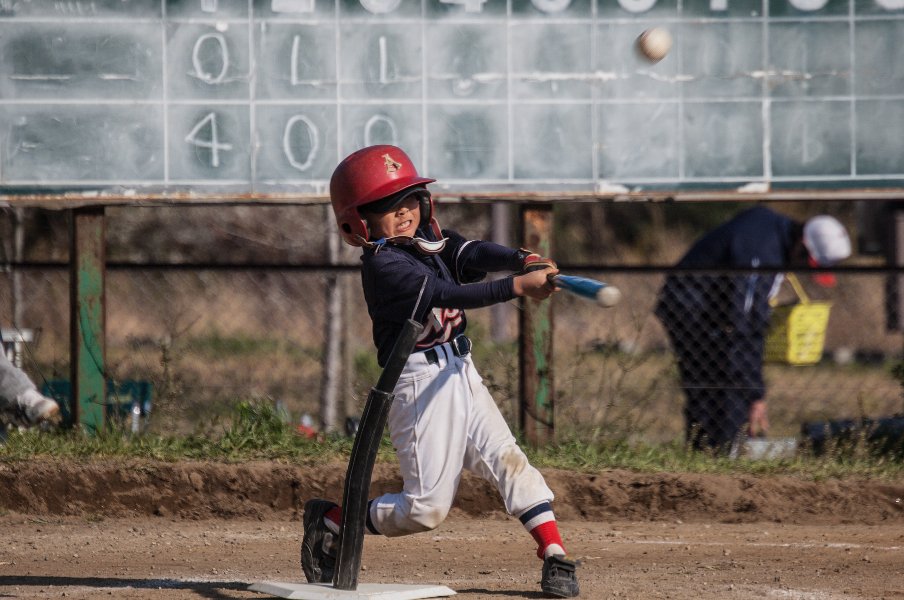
x=728 y=314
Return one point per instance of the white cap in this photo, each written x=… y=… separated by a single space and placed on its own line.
x=826 y=240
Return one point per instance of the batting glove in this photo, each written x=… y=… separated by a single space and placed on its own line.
x=535 y=262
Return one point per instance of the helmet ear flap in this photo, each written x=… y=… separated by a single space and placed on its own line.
x=426 y=207
x=353 y=228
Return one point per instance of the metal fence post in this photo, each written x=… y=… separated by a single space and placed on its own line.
x=536 y=414
x=87 y=307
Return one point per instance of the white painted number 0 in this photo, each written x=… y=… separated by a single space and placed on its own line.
x=196 y=58
x=808 y=5
x=287 y=142
x=637 y=6
x=551 y=6
x=373 y=123
x=470 y=6
x=380 y=7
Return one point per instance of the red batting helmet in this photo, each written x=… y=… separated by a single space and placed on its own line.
x=371 y=174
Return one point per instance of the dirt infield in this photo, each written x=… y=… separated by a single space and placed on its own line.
x=207 y=530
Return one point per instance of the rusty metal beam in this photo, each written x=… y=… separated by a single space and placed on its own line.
x=536 y=399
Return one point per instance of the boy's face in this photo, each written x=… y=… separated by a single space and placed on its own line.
x=401 y=220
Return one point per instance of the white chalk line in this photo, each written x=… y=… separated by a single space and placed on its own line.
x=834 y=545
x=768 y=544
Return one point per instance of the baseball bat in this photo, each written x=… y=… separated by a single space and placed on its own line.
x=603 y=294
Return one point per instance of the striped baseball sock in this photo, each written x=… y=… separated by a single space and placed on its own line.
x=333 y=520
x=540 y=522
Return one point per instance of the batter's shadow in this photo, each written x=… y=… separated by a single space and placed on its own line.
x=212 y=590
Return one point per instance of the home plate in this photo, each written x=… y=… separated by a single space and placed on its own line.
x=365 y=591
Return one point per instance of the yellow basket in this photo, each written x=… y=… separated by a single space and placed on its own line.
x=797 y=332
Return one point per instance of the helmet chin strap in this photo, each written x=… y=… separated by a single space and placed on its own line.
x=420 y=244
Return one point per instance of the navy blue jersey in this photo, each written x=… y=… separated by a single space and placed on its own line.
x=399 y=279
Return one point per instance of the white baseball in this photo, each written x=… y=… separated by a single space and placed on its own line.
x=608 y=296
x=654 y=43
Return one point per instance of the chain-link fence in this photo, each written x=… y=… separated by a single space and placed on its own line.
x=649 y=370
x=203 y=333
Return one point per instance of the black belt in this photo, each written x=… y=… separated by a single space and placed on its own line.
x=460 y=344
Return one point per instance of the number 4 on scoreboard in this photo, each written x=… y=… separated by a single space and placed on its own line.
x=212 y=143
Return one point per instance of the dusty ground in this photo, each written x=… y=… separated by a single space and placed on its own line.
x=199 y=530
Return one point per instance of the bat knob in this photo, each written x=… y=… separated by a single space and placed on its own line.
x=608 y=296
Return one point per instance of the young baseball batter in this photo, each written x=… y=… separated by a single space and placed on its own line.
x=443 y=419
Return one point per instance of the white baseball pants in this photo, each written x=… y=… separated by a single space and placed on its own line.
x=443 y=420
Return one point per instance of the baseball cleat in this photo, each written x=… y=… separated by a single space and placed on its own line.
x=316 y=562
x=31 y=408
x=559 y=579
